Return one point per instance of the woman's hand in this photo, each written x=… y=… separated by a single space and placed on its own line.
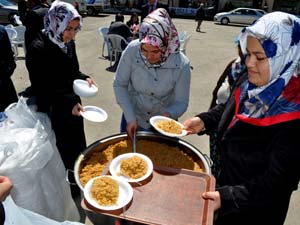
x=76 y=109
x=5 y=187
x=131 y=129
x=193 y=125
x=90 y=81
x=213 y=196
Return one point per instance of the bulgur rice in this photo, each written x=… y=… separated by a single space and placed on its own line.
x=160 y=154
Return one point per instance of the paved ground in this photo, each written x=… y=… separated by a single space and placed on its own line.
x=209 y=53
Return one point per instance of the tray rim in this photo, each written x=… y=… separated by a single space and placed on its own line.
x=207 y=216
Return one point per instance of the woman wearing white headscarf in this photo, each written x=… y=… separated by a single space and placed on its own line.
x=153 y=77
x=53 y=66
x=259 y=127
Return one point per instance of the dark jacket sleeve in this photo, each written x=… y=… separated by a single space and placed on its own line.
x=7 y=62
x=53 y=85
x=212 y=117
x=2 y=214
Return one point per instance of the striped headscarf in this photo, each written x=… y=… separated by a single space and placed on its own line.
x=158 y=30
x=57 y=20
x=278 y=100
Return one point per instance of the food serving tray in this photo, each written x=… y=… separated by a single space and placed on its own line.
x=169 y=197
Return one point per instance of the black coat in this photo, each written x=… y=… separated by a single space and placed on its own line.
x=200 y=14
x=120 y=28
x=34 y=22
x=52 y=73
x=145 y=9
x=8 y=93
x=260 y=167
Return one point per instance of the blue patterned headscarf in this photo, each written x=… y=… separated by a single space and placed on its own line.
x=279 y=99
x=57 y=20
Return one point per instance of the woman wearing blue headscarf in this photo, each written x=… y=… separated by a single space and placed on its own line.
x=259 y=127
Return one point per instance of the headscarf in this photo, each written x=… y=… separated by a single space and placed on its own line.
x=57 y=20
x=278 y=100
x=157 y=29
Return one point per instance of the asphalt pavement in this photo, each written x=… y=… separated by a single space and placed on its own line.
x=208 y=51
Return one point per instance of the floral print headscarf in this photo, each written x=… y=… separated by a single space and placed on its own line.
x=57 y=19
x=278 y=100
x=158 y=30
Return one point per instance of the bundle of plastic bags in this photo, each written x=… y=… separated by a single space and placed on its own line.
x=17 y=215
x=29 y=157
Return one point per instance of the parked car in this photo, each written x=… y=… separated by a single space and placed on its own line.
x=8 y=10
x=239 y=15
x=96 y=6
x=80 y=5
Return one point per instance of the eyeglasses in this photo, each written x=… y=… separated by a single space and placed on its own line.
x=75 y=29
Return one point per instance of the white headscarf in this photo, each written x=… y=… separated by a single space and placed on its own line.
x=277 y=33
x=279 y=99
x=57 y=19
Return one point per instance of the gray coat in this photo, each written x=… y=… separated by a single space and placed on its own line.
x=144 y=92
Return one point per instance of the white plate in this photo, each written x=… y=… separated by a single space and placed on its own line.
x=82 y=88
x=155 y=119
x=125 y=194
x=114 y=167
x=94 y=114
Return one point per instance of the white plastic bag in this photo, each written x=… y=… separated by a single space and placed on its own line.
x=15 y=215
x=29 y=157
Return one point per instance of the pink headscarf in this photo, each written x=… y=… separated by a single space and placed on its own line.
x=158 y=30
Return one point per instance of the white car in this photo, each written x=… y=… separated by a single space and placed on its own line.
x=80 y=5
x=239 y=15
x=96 y=6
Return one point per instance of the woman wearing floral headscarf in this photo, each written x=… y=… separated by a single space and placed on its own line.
x=153 y=77
x=53 y=66
x=259 y=127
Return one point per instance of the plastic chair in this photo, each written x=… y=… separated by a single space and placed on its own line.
x=116 y=41
x=9 y=26
x=103 y=34
x=12 y=34
x=182 y=35
x=20 y=39
x=184 y=44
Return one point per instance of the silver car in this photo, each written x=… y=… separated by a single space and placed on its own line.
x=239 y=15
x=8 y=10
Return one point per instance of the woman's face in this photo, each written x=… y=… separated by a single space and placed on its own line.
x=135 y=18
x=153 y=54
x=257 y=63
x=71 y=30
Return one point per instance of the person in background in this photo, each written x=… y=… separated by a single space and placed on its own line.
x=150 y=6
x=22 y=9
x=133 y=21
x=258 y=127
x=52 y=62
x=34 y=19
x=153 y=76
x=120 y=28
x=34 y=22
x=200 y=15
x=8 y=93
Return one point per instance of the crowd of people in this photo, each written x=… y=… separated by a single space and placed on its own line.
x=253 y=125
